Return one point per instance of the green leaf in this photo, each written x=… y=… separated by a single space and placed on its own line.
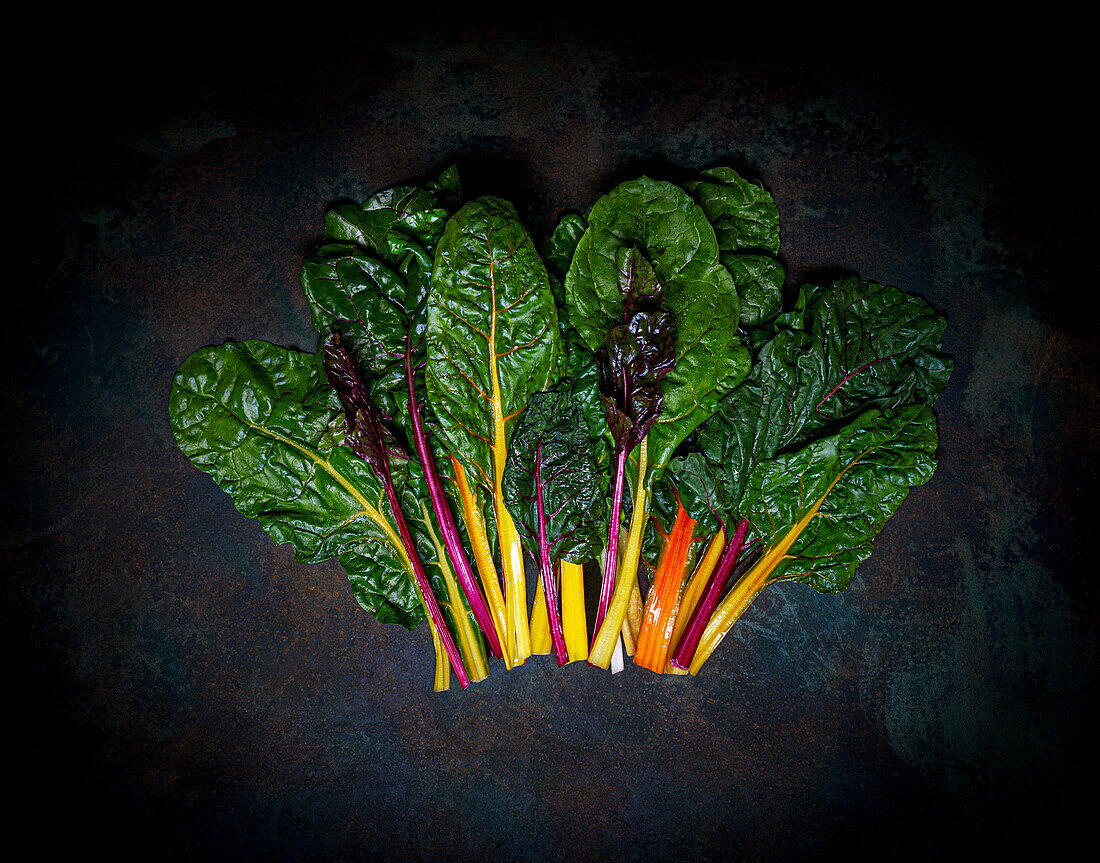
x=492 y=333
x=744 y=214
x=746 y=226
x=858 y=476
x=675 y=237
x=843 y=350
x=261 y=421
x=384 y=223
x=551 y=452
x=557 y=250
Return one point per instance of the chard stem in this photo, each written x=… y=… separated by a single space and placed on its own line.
x=546 y=566
x=611 y=553
x=574 y=625
x=422 y=583
x=443 y=516
x=607 y=635
x=686 y=649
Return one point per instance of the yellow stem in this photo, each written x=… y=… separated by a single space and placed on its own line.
x=732 y=607
x=632 y=623
x=627 y=577
x=515 y=581
x=469 y=641
x=483 y=558
x=756 y=579
x=511 y=549
x=540 y=623
x=573 y=620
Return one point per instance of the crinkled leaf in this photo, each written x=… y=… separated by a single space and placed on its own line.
x=637 y=354
x=557 y=250
x=746 y=226
x=743 y=213
x=367 y=434
x=843 y=349
x=551 y=451
x=387 y=220
x=673 y=234
x=860 y=476
x=492 y=332
x=262 y=421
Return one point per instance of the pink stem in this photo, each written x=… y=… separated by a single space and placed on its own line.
x=546 y=567
x=443 y=516
x=611 y=557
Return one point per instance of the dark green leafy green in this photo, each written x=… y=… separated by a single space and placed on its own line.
x=746 y=227
x=551 y=454
x=672 y=233
x=492 y=332
x=860 y=475
x=262 y=421
x=843 y=349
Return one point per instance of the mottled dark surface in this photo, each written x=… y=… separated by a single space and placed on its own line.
x=179 y=688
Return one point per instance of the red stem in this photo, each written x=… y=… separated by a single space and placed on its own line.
x=425 y=587
x=549 y=585
x=447 y=528
x=685 y=650
x=611 y=556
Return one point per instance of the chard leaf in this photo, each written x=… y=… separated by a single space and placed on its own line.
x=384 y=223
x=819 y=509
x=637 y=354
x=262 y=421
x=551 y=452
x=746 y=226
x=672 y=232
x=492 y=333
x=557 y=250
x=843 y=349
x=743 y=213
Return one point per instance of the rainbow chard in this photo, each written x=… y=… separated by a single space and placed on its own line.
x=856 y=356
x=368 y=437
x=371 y=281
x=492 y=341
x=818 y=510
x=634 y=359
x=657 y=224
x=554 y=490
x=264 y=423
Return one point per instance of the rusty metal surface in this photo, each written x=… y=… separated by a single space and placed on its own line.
x=177 y=687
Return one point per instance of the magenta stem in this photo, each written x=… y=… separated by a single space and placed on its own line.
x=447 y=528
x=425 y=588
x=685 y=650
x=611 y=554
x=546 y=567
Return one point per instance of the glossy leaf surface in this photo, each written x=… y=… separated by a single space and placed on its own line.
x=843 y=349
x=551 y=450
x=262 y=421
x=672 y=232
x=492 y=332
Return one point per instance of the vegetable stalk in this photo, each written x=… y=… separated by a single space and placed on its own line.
x=367 y=439
x=546 y=569
x=574 y=625
x=686 y=649
x=664 y=596
x=694 y=593
x=611 y=553
x=447 y=528
x=483 y=558
x=607 y=635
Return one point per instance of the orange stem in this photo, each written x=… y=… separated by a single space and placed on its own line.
x=659 y=616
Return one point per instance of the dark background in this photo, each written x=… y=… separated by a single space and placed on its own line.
x=178 y=687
